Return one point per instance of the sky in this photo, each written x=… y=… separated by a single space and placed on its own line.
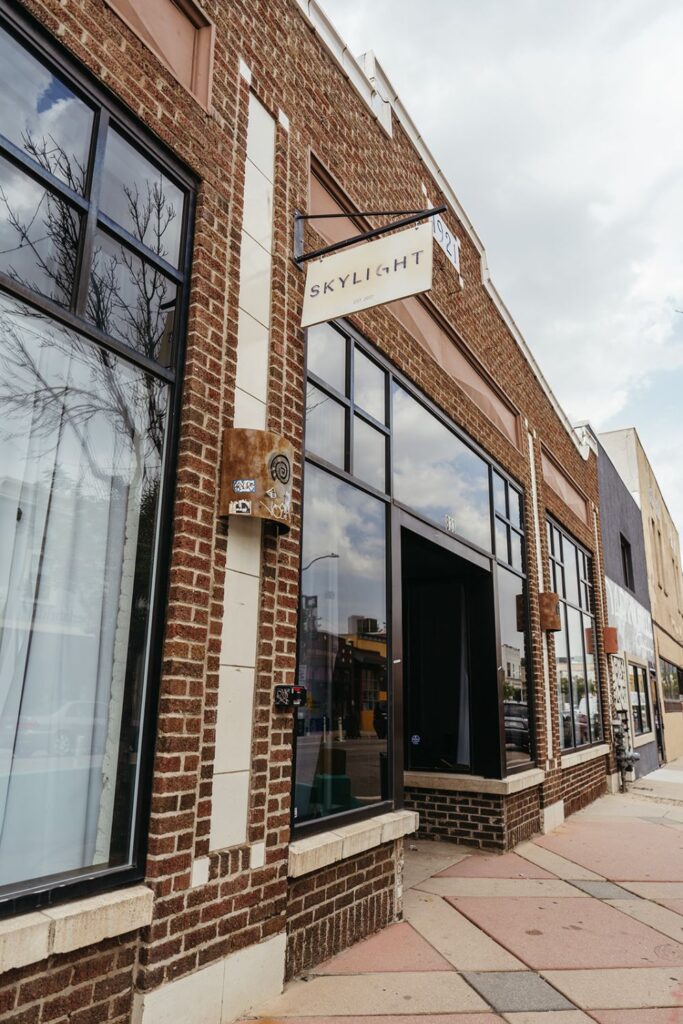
x=559 y=125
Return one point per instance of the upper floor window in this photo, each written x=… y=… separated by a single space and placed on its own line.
x=93 y=269
x=627 y=563
x=578 y=685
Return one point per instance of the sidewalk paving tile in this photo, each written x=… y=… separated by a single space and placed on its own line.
x=660 y=918
x=623 y=988
x=424 y=858
x=515 y=990
x=422 y=1018
x=603 y=890
x=371 y=994
x=668 y=891
x=499 y=887
x=668 y=1015
x=457 y=939
x=570 y=934
x=550 y=1017
x=506 y=865
x=675 y=905
x=396 y=948
x=559 y=866
x=629 y=848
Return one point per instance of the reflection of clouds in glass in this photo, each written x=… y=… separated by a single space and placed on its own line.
x=36 y=105
x=342 y=520
x=435 y=473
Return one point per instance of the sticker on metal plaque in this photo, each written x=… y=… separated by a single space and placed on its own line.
x=244 y=486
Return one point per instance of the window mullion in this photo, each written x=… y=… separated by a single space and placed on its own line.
x=90 y=221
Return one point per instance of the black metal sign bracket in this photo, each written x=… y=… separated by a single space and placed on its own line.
x=407 y=217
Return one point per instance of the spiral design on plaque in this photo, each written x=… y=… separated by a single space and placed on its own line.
x=280 y=469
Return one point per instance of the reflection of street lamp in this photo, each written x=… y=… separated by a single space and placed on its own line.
x=331 y=555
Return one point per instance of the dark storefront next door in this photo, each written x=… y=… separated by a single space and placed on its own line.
x=448 y=653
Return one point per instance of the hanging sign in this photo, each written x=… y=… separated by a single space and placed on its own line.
x=389 y=268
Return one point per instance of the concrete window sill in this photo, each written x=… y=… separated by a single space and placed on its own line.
x=475 y=783
x=646 y=737
x=325 y=848
x=581 y=756
x=29 y=938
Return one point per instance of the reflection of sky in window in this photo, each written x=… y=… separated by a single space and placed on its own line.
x=509 y=586
x=436 y=474
x=34 y=103
x=339 y=519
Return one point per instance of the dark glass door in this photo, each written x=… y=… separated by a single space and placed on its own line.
x=448 y=658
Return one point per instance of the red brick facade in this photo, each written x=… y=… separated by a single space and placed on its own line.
x=338 y=905
x=239 y=905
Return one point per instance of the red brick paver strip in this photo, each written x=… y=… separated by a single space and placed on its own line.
x=550 y=934
x=397 y=948
x=620 y=849
x=509 y=865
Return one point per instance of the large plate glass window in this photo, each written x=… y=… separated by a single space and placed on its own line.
x=93 y=229
x=512 y=607
x=578 y=685
x=371 y=442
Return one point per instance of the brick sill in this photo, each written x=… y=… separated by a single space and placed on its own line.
x=29 y=938
x=581 y=756
x=325 y=848
x=475 y=783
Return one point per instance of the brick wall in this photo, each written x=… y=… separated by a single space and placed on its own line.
x=290 y=69
x=522 y=816
x=477 y=819
x=583 y=784
x=490 y=821
x=330 y=909
x=89 y=986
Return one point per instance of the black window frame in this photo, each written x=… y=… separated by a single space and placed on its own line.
x=585 y=607
x=108 y=110
x=642 y=726
x=355 y=340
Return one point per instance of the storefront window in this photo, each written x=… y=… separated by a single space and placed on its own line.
x=578 y=689
x=83 y=439
x=672 y=680
x=368 y=442
x=437 y=474
x=341 y=745
x=640 y=705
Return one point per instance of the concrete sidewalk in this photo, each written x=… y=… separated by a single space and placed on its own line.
x=584 y=924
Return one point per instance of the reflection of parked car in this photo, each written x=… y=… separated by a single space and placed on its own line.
x=517 y=724
x=68 y=730
x=582 y=719
x=380 y=719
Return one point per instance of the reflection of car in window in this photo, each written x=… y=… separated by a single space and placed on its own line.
x=582 y=735
x=380 y=719
x=516 y=724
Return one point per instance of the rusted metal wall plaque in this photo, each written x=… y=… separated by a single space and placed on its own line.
x=256 y=476
x=549 y=608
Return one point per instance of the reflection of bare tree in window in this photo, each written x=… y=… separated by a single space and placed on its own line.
x=127 y=298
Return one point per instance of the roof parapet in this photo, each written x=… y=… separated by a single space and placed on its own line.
x=374 y=86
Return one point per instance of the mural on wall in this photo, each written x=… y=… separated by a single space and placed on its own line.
x=633 y=622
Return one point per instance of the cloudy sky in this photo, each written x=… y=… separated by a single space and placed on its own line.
x=559 y=124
